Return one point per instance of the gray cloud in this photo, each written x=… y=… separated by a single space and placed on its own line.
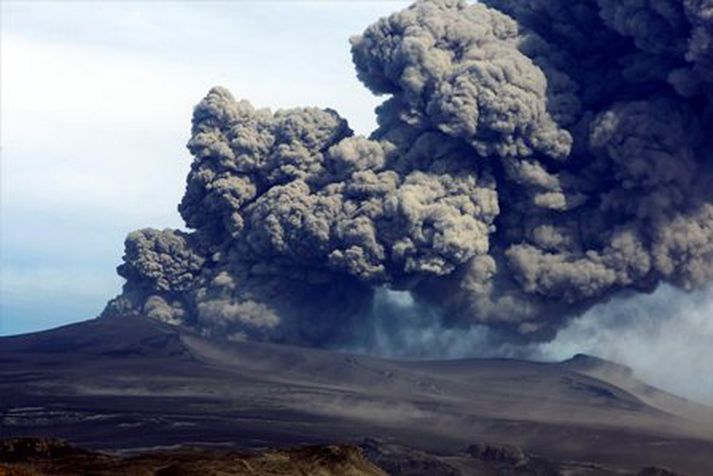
x=532 y=159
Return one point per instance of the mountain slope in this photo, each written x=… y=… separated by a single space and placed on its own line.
x=132 y=383
x=697 y=415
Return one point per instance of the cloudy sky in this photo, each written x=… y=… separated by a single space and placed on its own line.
x=96 y=101
x=96 y=105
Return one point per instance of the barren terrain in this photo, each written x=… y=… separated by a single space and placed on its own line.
x=131 y=385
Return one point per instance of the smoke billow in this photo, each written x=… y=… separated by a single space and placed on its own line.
x=532 y=158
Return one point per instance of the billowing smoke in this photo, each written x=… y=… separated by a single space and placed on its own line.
x=532 y=158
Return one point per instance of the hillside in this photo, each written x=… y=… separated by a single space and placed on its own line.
x=130 y=384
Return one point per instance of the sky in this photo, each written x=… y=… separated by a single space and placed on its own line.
x=96 y=99
x=96 y=105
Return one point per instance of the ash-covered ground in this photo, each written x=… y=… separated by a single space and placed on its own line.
x=136 y=384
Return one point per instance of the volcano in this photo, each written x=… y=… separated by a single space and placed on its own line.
x=131 y=384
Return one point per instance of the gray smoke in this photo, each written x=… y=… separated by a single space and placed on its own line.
x=665 y=338
x=532 y=158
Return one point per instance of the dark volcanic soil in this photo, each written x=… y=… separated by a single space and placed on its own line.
x=28 y=457
x=33 y=457
x=128 y=384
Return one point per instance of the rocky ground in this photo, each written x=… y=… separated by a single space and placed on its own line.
x=37 y=456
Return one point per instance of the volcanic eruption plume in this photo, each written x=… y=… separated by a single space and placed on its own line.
x=532 y=158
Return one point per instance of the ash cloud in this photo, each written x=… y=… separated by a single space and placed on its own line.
x=532 y=159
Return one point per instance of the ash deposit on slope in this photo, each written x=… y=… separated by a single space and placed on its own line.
x=532 y=159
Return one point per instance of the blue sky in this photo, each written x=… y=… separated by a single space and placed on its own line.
x=96 y=103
